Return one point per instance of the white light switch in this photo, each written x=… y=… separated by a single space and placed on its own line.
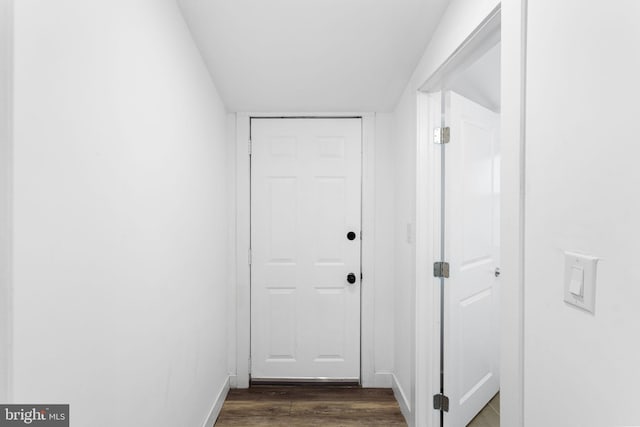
x=576 y=287
x=580 y=280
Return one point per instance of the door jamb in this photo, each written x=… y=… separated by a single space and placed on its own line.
x=240 y=299
x=427 y=246
x=511 y=20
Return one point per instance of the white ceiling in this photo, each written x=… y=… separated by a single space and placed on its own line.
x=480 y=82
x=312 y=55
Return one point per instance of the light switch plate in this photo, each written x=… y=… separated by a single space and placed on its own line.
x=573 y=263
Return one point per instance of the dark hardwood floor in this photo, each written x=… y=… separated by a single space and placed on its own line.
x=310 y=406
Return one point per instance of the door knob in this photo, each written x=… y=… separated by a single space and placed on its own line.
x=351 y=235
x=497 y=272
x=351 y=278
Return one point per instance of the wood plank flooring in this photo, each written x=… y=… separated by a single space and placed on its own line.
x=310 y=406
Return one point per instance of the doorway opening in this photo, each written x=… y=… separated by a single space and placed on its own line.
x=470 y=243
x=240 y=296
x=461 y=107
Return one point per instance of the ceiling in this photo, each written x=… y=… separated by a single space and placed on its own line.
x=480 y=82
x=312 y=55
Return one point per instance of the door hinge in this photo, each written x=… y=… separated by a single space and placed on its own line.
x=441 y=135
x=250 y=257
x=441 y=402
x=441 y=269
x=250 y=147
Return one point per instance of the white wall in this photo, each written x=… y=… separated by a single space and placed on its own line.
x=384 y=251
x=6 y=65
x=582 y=176
x=457 y=23
x=120 y=219
x=404 y=253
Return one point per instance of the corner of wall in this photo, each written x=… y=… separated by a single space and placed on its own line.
x=383 y=380
x=231 y=250
x=401 y=397
x=217 y=404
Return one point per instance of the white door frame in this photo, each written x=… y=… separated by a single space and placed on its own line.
x=240 y=295
x=508 y=23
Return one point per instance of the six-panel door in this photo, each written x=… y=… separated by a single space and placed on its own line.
x=305 y=199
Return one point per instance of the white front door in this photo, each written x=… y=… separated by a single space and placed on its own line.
x=472 y=207
x=305 y=271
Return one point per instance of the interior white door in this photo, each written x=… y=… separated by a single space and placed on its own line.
x=305 y=200
x=472 y=224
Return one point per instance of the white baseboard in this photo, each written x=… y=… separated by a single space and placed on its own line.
x=382 y=380
x=401 y=397
x=217 y=405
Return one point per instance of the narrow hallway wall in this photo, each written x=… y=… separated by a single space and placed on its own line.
x=6 y=66
x=581 y=195
x=120 y=217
